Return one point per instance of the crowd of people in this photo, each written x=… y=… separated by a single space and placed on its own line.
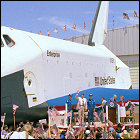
x=31 y=130
x=39 y=130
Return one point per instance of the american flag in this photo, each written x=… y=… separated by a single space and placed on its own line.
x=83 y=128
x=39 y=130
x=96 y=81
x=52 y=114
x=55 y=129
x=95 y=114
x=74 y=26
x=56 y=30
x=113 y=20
x=95 y=126
x=40 y=33
x=67 y=133
x=64 y=28
x=110 y=123
x=58 y=136
x=15 y=107
x=136 y=15
x=2 y=118
x=132 y=108
x=56 y=112
x=48 y=33
x=77 y=132
x=125 y=16
x=76 y=119
x=62 y=122
x=84 y=25
x=69 y=114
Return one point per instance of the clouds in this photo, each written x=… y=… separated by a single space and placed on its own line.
x=61 y=22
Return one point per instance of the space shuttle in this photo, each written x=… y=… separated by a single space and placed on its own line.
x=38 y=71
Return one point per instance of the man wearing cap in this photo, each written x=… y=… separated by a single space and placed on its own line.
x=81 y=106
x=91 y=108
x=69 y=104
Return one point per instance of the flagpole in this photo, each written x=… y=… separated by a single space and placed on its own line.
x=14 y=121
x=133 y=21
x=123 y=23
x=49 y=121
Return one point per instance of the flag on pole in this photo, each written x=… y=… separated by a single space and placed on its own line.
x=74 y=26
x=40 y=33
x=95 y=114
x=84 y=25
x=113 y=21
x=52 y=115
x=62 y=122
x=77 y=132
x=110 y=123
x=64 y=28
x=125 y=16
x=15 y=107
x=56 y=31
x=48 y=33
x=69 y=114
x=83 y=128
x=136 y=15
x=92 y=21
x=132 y=108
x=95 y=126
x=2 y=119
x=55 y=129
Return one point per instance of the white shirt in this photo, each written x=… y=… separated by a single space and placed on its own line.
x=82 y=101
x=104 y=102
x=20 y=135
x=15 y=135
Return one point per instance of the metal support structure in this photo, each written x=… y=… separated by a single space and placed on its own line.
x=107 y=113
x=65 y=118
x=118 y=113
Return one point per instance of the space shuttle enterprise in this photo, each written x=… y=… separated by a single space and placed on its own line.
x=38 y=71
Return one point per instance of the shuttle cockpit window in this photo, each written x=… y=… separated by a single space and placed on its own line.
x=8 y=40
x=2 y=45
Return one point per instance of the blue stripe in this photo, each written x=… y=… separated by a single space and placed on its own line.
x=129 y=94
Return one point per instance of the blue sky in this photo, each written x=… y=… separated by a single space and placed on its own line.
x=36 y=16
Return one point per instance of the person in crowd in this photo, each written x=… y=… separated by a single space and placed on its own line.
x=122 y=109
x=24 y=134
x=118 y=132
x=69 y=103
x=91 y=109
x=5 y=129
x=10 y=129
x=81 y=106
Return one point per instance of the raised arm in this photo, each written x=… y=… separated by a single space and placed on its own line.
x=77 y=95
